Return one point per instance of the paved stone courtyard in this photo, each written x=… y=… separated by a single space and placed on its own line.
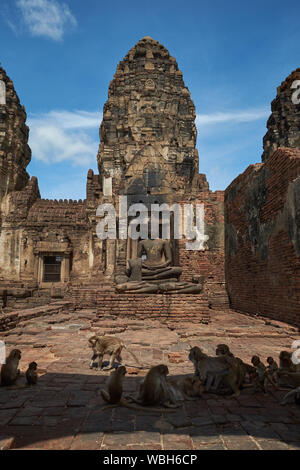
x=64 y=410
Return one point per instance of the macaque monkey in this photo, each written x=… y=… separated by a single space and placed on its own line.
x=262 y=376
x=214 y=371
x=154 y=389
x=223 y=350
x=9 y=370
x=189 y=388
x=244 y=369
x=114 y=386
x=107 y=345
x=286 y=369
x=292 y=397
x=286 y=363
x=260 y=380
x=31 y=374
x=115 y=392
x=272 y=368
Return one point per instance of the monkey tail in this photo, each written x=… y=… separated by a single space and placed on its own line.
x=104 y=396
x=92 y=340
x=143 y=408
x=132 y=354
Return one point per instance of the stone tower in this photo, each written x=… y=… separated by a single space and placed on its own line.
x=148 y=132
x=15 y=153
x=284 y=123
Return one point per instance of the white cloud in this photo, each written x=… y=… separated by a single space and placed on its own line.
x=48 y=18
x=231 y=117
x=60 y=136
x=228 y=142
x=72 y=136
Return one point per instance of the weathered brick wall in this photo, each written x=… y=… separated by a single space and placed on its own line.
x=175 y=306
x=10 y=320
x=209 y=263
x=262 y=238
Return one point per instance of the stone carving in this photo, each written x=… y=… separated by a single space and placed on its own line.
x=148 y=103
x=284 y=123
x=2 y=92
x=155 y=273
x=15 y=153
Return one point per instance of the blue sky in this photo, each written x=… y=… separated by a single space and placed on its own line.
x=62 y=55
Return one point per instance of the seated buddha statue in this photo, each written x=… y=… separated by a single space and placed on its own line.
x=155 y=273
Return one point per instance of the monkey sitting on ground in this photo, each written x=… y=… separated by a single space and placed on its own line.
x=272 y=368
x=286 y=362
x=108 y=345
x=154 y=389
x=214 y=371
x=262 y=377
x=115 y=392
x=292 y=397
x=286 y=366
x=260 y=380
x=244 y=368
x=9 y=370
x=31 y=374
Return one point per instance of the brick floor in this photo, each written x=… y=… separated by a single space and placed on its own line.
x=63 y=411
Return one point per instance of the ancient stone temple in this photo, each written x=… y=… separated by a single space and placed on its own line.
x=147 y=153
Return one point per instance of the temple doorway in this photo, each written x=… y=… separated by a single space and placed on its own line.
x=52 y=268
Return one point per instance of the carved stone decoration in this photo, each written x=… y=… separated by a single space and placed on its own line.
x=284 y=123
x=149 y=104
x=15 y=153
x=2 y=93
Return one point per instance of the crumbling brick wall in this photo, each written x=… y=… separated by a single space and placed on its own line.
x=262 y=238
x=210 y=261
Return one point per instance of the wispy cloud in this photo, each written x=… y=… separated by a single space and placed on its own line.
x=228 y=142
x=226 y=146
x=231 y=117
x=60 y=136
x=47 y=18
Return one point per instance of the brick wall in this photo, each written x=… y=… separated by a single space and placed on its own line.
x=176 y=307
x=209 y=263
x=262 y=238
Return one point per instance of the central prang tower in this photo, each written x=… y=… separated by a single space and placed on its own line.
x=148 y=133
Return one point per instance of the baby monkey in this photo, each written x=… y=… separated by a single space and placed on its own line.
x=272 y=368
x=262 y=376
x=31 y=374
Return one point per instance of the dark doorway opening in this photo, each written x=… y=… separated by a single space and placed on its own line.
x=52 y=268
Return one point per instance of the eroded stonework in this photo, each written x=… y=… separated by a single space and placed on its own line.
x=284 y=123
x=15 y=153
x=148 y=134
